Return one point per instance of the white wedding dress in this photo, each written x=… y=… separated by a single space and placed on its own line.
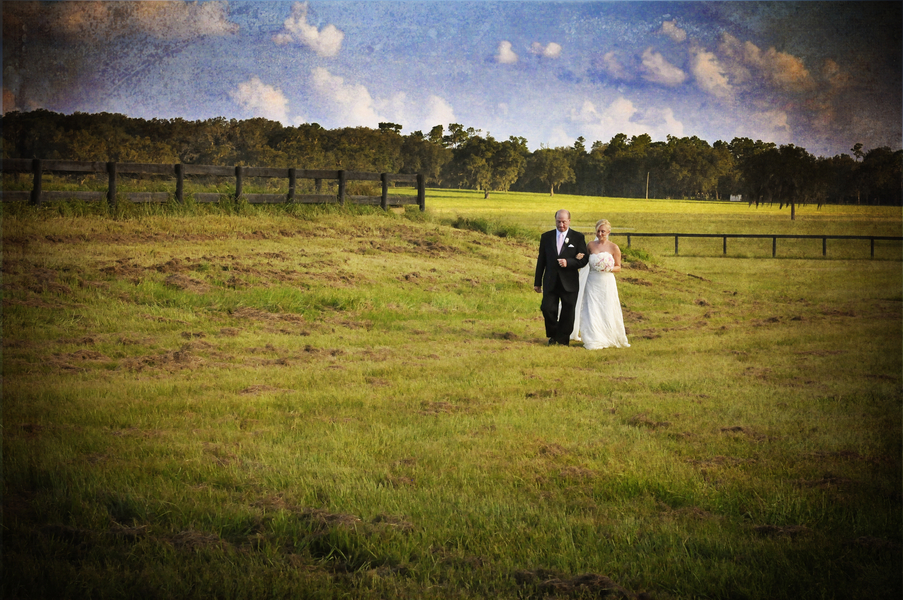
x=599 y=322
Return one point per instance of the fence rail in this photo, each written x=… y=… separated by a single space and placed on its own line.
x=773 y=237
x=39 y=166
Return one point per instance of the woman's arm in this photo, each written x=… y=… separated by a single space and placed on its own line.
x=616 y=254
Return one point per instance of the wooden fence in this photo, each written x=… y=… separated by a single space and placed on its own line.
x=773 y=237
x=39 y=166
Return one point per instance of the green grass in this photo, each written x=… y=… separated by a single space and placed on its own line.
x=285 y=402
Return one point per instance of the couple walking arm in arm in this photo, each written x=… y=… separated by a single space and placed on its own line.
x=591 y=299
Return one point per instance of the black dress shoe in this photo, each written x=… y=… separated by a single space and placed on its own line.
x=552 y=341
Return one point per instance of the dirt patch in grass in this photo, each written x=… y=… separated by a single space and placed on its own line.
x=635 y=281
x=393 y=522
x=508 y=336
x=164 y=319
x=738 y=430
x=31 y=303
x=643 y=420
x=186 y=284
x=322 y=520
x=437 y=408
x=552 y=450
x=176 y=360
x=263 y=389
x=83 y=355
x=255 y=314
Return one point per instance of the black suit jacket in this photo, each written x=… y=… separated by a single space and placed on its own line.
x=547 y=269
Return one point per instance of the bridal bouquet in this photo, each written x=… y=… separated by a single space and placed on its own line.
x=605 y=263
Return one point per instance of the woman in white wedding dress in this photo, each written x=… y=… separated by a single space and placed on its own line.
x=600 y=323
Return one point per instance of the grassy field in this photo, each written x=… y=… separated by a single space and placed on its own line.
x=328 y=403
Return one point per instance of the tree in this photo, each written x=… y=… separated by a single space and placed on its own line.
x=470 y=166
x=882 y=176
x=629 y=161
x=590 y=171
x=437 y=134
x=421 y=156
x=390 y=127
x=303 y=146
x=551 y=167
x=787 y=175
x=457 y=135
x=507 y=164
x=693 y=167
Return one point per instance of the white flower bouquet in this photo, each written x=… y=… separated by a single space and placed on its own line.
x=605 y=263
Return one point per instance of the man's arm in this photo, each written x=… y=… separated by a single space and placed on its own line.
x=581 y=249
x=540 y=267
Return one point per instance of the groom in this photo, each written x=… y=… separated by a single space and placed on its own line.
x=557 y=278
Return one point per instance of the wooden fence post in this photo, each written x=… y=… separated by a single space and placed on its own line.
x=292 y=179
x=111 y=188
x=421 y=191
x=774 y=247
x=180 y=184
x=384 y=202
x=239 y=184
x=342 y=187
x=675 y=245
x=37 y=168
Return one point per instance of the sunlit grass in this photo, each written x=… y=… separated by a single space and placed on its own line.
x=322 y=402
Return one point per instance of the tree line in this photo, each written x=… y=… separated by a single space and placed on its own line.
x=464 y=157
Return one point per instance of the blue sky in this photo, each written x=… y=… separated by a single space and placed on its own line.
x=821 y=75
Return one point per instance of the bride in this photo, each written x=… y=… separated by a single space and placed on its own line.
x=599 y=321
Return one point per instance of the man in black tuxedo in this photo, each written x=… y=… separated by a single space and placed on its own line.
x=557 y=278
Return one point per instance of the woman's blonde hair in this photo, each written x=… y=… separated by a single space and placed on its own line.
x=604 y=222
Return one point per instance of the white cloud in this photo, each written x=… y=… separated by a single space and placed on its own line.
x=437 y=112
x=553 y=50
x=505 y=55
x=622 y=116
x=349 y=105
x=709 y=74
x=779 y=70
x=393 y=108
x=613 y=66
x=604 y=124
x=658 y=70
x=559 y=138
x=660 y=122
x=770 y=125
x=262 y=100
x=674 y=32
x=325 y=42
